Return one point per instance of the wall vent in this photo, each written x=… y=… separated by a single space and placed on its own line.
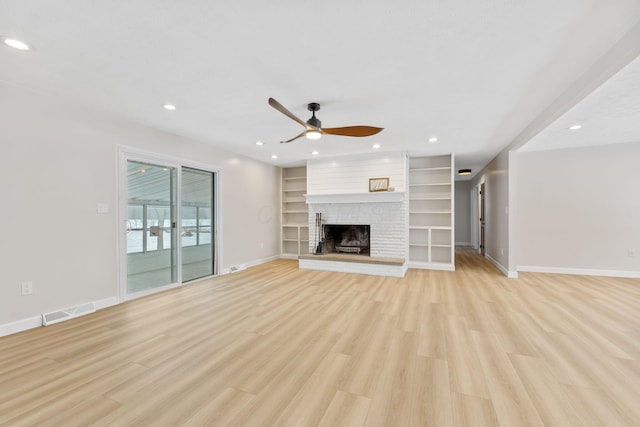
x=68 y=313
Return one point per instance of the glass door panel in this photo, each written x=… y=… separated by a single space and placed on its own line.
x=151 y=226
x=197 y=220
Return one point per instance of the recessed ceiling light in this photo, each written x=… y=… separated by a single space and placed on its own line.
x=575 y=127
x=315 y=152
x=260 y=143
x=433 y=139
x=169 y=107
x=274 y=156
x=376 y=146
x=16 y=44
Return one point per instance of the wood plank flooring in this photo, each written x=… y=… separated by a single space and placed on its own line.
x=278 y=346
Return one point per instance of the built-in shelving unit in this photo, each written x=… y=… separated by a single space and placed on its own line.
x=295 y=212
x=431 y=212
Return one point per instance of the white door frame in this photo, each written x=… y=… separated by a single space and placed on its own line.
x=126 y=154
x=473 y=194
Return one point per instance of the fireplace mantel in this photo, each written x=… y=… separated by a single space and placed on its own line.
x=374 y=197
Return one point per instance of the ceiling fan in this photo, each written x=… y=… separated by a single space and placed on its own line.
x=313 y=127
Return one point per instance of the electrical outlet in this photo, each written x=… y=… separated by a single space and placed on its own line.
x=27 y=288
x=501 y=251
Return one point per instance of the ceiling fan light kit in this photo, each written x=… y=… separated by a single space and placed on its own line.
x=313 y=134
x=313 y=126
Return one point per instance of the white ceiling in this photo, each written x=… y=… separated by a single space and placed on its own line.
x=609 y=115
x=472 y=73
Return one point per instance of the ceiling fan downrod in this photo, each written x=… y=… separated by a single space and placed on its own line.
x=314 y=121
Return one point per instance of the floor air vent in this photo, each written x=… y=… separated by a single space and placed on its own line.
x=68 y=313
x=236 y=268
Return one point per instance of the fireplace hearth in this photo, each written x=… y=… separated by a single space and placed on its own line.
x=349 y=239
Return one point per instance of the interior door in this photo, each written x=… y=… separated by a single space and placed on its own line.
x=151 y=226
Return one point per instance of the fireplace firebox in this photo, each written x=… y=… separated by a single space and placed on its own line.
x=349 y=239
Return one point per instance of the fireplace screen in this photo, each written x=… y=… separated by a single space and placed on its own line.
x=350 y=239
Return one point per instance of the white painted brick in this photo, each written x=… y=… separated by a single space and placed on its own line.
x=388 y=221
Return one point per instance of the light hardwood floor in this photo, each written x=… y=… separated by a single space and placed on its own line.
x=275 y=345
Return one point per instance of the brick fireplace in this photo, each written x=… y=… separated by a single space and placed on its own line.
x=338 y=189
x=346 y=239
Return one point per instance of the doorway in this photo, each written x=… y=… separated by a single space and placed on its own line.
x=169 y=224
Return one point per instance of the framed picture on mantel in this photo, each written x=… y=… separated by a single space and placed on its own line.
x=378 y=184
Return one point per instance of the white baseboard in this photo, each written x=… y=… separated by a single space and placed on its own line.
x=36 y=321
x=20 y=325
x=106 y=302
x=505 y=271
x=262 y=261
x=431 y=266
x=580 y=271
x=253 y=263
x=464 y=244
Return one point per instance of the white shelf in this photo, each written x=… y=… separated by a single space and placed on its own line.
x=445 y=168
x=429 y=198
x=428 y=212
x=431 y=201
x=295 y=235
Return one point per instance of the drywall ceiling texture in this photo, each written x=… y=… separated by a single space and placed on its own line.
x=609 y=115
x=472 y=73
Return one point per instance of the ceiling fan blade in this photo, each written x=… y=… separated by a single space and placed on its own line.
x=352 y=131
x=294 y=138
x=275 y=104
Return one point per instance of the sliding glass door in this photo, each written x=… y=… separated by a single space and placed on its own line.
x=151 y=226
x=197 y=224
x=169 y=217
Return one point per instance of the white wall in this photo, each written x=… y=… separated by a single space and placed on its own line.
x=496 y=178
x=463 y=213
x=350 y=174
x=59 y=162
x=578 y=210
